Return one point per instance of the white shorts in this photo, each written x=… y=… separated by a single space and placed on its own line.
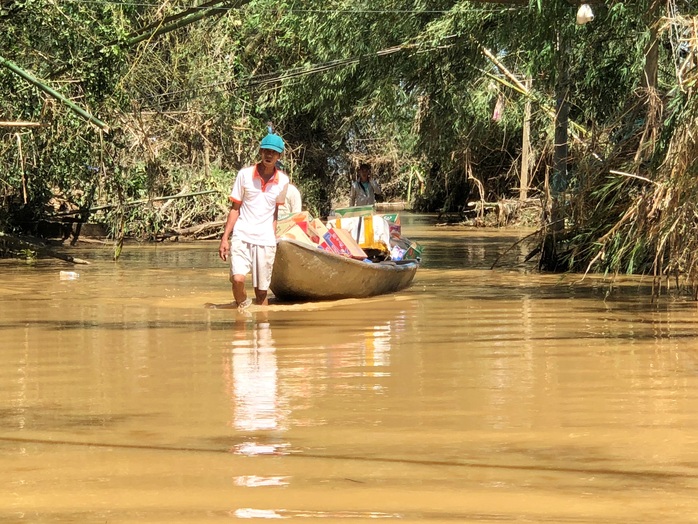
x=246 y=257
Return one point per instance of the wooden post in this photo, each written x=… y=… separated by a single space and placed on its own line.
x=526 y=146
x=21 y=167
x=207 y=152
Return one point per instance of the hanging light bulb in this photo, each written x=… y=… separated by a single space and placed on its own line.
x=584 y=14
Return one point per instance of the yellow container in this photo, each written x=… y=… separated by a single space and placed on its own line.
x=368 y=231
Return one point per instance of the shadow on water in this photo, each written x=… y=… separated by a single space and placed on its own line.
x=226 y=447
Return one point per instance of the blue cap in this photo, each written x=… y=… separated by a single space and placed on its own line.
x=274 y=142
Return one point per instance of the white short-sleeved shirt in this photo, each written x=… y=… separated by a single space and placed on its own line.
x=293 y=202
x=257 y=204
x=361 y=194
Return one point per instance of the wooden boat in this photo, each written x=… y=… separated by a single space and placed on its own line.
x=305 y=272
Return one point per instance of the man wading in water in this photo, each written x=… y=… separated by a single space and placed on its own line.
x=257 y=193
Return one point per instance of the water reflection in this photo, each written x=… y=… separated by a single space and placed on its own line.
x=377 y=351
x=367 y=357
x=273 y=379
x=256 y=401
x=255 y=481
x=251 y=513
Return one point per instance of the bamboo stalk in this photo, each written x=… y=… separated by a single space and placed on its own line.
x=193 y=230
x=504 y=70
x=19 y=123
x=169 y=23
x=135 y=202
x=183 y=19
x=52 y=92
x=173 y=18
x=524 y=90
x=630 y=175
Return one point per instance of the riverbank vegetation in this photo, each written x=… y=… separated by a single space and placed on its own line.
x=456 y=104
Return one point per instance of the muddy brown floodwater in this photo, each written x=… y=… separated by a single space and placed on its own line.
x=477 y=395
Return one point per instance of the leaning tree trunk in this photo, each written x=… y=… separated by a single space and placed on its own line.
x=651 y=68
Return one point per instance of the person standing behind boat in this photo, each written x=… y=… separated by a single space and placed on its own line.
x=257 y=193
x=364 y=189
x=293 y=203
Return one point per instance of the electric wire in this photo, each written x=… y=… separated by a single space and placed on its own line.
x=266 y=78
x=277 y=77
x=319 y=11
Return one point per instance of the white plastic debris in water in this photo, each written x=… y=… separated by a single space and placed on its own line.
x=584 y=14
x=69 y=275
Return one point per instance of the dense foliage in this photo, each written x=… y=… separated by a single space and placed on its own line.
x=433 y=94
